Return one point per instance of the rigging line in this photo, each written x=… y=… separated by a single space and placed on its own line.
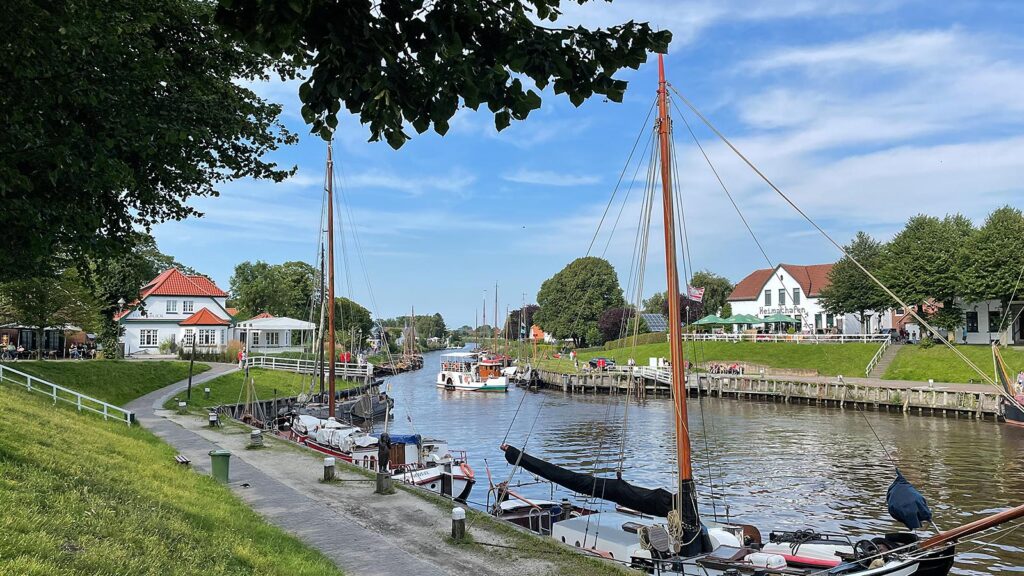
x=722 y=184
x=872 y=428
x=845 y=253
x=643 y=128
x=509 y=431
x=1012 y=296
x=688 y=276
x=628 y=190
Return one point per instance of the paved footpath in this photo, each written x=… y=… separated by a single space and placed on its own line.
x=357 y=551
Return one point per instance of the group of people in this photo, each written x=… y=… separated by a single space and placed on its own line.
x=1019 y=391
x=733 y=368
x=82 y=352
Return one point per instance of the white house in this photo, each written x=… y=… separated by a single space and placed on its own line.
x=794 y=291
x=267 y=333
x=176 y=307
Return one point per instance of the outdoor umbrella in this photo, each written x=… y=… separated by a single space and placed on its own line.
x=746 y=319
x=779 y=318
x=708 y=320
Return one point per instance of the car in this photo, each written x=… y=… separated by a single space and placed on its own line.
x=608 y=362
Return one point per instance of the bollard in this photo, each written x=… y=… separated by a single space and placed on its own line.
x=328 y=469
x=256 y=438
x=206 y=393
x=384 y=485
x=220 y=461
x=458 y=524
x=182 y=406
x=214 y=420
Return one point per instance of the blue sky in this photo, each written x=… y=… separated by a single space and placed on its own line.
x=866 y=113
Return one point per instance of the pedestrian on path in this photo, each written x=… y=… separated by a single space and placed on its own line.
x=241 y=358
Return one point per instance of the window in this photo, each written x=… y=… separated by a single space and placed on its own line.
x=972 y=321
x=830 y=320
x=207 y=337
x=817 y=321
x=901 y=312
x=767 y=297
x=171 y=307
x=147 y=338
x=255 y=339
x=187 y=306
x=272 y=338
x=994 y=317
x=186 y=340
x=796 y=296
x=782 y=296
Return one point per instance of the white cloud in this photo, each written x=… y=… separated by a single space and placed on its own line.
x=550 y=178
x=414 y=185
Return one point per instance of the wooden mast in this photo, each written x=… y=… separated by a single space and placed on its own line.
x=331 y=353
x=674 y=317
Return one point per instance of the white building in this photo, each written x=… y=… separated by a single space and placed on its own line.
x=983 y=320
x=175 y=307
x=267 y=333
x=794 y=291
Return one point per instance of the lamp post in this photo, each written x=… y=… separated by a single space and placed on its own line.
x=120 y=308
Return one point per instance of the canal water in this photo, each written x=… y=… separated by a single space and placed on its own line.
x=778 y=466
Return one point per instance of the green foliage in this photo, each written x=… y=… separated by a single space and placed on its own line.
x=114 y=381
x=572 y=300
x=117 y=503
x=656 y=304
x=350 y=317
x=850 y=291
x=716 y=290
x=726 y=310
x=115 y=112
x=942 y=365
x=280 y=289
x=403 y=61
x=924 y=260
x=996 y=257
x=427 y=326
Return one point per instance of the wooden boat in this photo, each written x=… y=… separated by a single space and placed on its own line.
x=1013 y=410
x=472 y=371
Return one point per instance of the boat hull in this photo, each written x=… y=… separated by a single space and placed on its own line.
x=455 y=381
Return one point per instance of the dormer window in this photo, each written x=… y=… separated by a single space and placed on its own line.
x=171 y=307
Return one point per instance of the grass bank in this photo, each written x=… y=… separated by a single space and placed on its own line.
x=942 y=365
x=82 y=496
x=115 y=381
x=227 y=389
x=827 y=359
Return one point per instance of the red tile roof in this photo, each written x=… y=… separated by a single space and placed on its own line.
x=171 y=282
x=204 y=318
x=262 y=315
x=812 y=280
x=232 y=311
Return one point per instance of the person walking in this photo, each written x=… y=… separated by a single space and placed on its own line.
x=241 y=358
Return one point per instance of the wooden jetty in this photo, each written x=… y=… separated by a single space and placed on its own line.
x=944 y=399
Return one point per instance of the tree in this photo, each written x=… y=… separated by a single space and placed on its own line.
x=280 y=289
x=996 y=258
x=521 y=317
x=850 y=291
x=49 y=301
x=689 y=310
x=115 y=112
x=399 y=61
x=656 y=304
x=716 y=289
x=350 y=317
x=614 y=322
x=572 y=300
x=297 y=281
x=726 y=310
x=924 y=260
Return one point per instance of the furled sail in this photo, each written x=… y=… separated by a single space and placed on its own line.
x=656 y=502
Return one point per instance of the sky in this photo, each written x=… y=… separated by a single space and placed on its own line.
x=864 y=112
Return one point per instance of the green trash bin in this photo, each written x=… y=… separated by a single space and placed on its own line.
x=219 y=463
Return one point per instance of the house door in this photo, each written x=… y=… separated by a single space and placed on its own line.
x=1018 y=333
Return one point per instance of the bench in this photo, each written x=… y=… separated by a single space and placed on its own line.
x=181 y=459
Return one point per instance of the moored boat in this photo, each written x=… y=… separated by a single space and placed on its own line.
x=471 y=371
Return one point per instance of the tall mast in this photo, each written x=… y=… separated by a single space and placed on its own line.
x=674 y=317
x=330 y=279
x=495 y=311
x=320 y=327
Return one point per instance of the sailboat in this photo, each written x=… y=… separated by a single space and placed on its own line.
x=1013 y=414
x=662 y=532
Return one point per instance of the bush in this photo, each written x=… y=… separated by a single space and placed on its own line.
x=168 y=346
x=926 y=342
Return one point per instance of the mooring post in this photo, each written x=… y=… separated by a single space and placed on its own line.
x=213 y=419
x=384 y=485
x=458 y=524
x=328 y=469
x=256 y=438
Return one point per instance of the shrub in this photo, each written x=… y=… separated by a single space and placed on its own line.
x=926 y=342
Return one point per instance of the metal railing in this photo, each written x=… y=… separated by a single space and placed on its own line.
x=877 y=357
x=57 y=392
x=343 y=369
x=798 y=338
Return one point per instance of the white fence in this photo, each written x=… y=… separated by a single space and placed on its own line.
x=81 y=401
x=876 y=358
x=343 y=369
x=797 y=338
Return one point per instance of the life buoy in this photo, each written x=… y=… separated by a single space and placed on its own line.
x=466 y=470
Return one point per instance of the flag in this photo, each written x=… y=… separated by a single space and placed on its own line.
x=695 y=293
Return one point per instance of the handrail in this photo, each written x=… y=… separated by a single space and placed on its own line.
x=57 y=392
x=344 y=369
x=877 y=357
x=797 y=338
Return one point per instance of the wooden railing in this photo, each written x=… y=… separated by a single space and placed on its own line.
x=57 y=392
x=877 y=357
x=302 y=366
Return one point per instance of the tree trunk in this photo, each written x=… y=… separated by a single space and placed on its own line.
x=40 y=332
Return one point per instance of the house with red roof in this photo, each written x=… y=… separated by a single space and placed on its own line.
x=176 y=307
x=794 y=290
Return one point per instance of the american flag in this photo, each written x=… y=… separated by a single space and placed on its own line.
x=695 y=293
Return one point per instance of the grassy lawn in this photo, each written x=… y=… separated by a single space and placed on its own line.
x=940 y=364
x=227 y=389
x=114 y=381
x=827 y=359
x=81 y=496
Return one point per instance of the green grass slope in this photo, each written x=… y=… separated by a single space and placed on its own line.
x=827 y=359
x=79 y=496
x=227 y=389
x=115 y=381
x=942 y=365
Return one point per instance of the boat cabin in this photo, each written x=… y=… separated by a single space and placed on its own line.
x=461 y=362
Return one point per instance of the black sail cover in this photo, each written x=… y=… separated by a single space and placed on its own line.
x=656 y=502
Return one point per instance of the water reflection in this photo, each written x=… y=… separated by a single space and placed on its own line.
x=775 y=465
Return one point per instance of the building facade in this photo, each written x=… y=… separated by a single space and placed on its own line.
x=795 y=291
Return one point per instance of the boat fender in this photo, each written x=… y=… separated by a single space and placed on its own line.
x=467 y=470
x=762 y=560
